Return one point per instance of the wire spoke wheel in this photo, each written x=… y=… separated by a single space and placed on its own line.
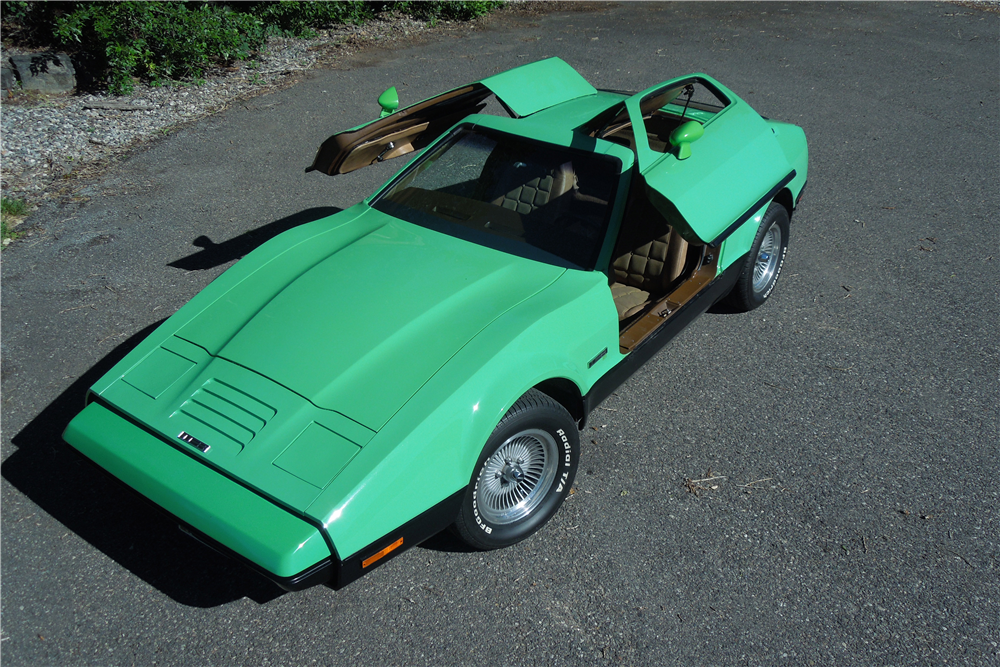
x=517 y=477
x=767 y=258
x=761 y=267
x=524 y=472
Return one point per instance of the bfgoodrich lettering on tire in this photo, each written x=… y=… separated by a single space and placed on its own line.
x=762 y=265
x=525 y=471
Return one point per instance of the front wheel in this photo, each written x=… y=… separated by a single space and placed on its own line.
x=523 y=474
x=762 y=265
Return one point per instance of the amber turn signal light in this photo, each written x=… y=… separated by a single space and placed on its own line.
x=382 y=554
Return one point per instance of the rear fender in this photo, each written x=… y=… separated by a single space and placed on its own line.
x=792 y=140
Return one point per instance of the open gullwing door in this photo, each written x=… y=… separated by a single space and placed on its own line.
x=522 y=91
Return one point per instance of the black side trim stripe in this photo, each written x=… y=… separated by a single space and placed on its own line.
x=753 y=209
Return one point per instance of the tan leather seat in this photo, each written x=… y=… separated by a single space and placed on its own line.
x=649 y=256
x=628 y=300
x=539 y=191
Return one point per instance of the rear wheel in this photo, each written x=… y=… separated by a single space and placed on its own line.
x=523 y=474
x=762 y=265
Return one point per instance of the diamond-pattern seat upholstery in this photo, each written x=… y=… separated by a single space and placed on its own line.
x=539 y=191
x=526 y=198
x=649 y=256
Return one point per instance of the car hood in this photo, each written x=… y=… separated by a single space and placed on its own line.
x=363 y=327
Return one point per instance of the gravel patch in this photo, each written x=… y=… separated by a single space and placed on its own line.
x=47 y=143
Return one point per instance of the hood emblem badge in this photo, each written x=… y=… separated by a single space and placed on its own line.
x=191 y=440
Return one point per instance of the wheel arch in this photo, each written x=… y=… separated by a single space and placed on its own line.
x=566 y=393
x=785 y=199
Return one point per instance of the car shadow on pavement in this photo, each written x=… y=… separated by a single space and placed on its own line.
x=115 y=520
x=447 y=542
x=216 y=254
x=724 y=308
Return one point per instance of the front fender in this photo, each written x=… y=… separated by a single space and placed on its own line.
x=427 y=451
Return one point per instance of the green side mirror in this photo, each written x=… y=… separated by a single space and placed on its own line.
x=684 y=136
x=389 y=101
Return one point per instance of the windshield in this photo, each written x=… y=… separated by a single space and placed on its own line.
x=510 y=193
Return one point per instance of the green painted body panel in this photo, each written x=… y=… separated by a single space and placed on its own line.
x=737 y=152
x=438 y=434
x=791 y=140
x=236 y=517
x=248 y=421
x=280 y=256
x=388 y=310
x=573 y=113
x=553 y=133
x=740 y=241
x=538 y=85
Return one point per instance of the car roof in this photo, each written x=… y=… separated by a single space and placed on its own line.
x=530 y=88
x=576 y=112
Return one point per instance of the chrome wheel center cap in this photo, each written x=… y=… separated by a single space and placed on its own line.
x=511 y=473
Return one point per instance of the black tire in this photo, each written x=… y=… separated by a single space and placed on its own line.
x=763 y=263
x=523 y=475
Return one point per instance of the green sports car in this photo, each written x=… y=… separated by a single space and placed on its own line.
x=427 y=358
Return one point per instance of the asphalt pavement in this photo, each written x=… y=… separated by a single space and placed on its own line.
x=847 y=432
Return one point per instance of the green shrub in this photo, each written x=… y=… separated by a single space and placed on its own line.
x=163 y=41
x=298 y=19
x=13 y=207
x=446 y=10
x=158 y=41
